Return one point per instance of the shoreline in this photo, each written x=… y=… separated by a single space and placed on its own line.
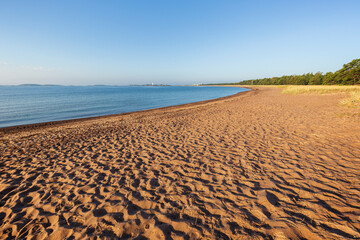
x=259 y=165
x=17 y=128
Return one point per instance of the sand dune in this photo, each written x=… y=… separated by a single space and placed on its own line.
x=258 y=165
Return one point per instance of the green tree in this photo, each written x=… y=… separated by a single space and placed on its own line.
x=328 y=78
x=348 y=75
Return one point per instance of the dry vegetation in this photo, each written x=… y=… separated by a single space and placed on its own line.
x=319 y=89
x=353 y=92
x=353 y=100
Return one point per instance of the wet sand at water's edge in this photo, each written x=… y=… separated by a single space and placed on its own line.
x=257 y=165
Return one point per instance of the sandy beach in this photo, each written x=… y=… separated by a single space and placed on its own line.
x=256 y=165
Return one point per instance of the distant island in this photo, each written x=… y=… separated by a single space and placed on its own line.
x=95 y=85
x=151 y=85
x=38 y=85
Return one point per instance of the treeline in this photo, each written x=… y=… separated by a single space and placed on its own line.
x=348 y=75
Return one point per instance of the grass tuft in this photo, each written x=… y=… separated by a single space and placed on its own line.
x=353 y=100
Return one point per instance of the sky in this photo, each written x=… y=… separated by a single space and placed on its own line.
x=78 y=42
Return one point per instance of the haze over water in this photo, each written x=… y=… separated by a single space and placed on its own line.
x=21 y=105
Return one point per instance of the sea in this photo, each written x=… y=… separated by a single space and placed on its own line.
x=21 y=105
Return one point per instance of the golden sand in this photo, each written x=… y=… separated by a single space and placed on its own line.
x=257 y=165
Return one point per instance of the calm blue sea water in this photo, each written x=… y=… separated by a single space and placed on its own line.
x=21 y=105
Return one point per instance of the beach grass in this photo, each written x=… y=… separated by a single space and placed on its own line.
x=319 y=89
x=352 y=92
x=352 y=99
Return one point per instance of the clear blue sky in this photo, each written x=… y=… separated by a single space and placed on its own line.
x=176 y=42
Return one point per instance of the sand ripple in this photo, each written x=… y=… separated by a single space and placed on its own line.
x=259 y=165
